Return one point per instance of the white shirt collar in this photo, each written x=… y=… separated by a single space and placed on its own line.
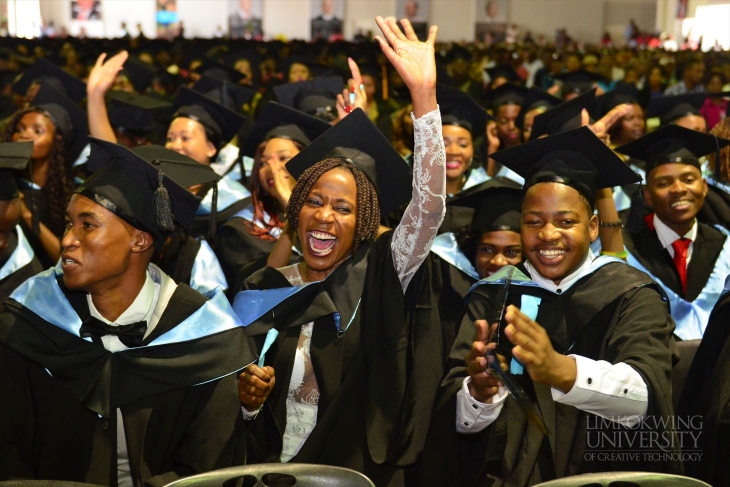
x=667 y=236
x=567 y=281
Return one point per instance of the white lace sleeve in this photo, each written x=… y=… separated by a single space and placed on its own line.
x=414 y=234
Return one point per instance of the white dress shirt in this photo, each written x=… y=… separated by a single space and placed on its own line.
x=612 y=391
x=667 y=236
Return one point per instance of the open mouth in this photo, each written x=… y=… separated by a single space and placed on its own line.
x=67 y=262
x=551 y=254
x=681 y=204
x=453 y=164
x=321 y=243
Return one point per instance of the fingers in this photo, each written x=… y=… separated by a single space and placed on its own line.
x=432 y=33
x=408 y=29
x=393 y=24
x=611 y=118
x=255 y=384
x=355 y=70
x=100 y=60
x=524 y=326
x=387 y=31
x=584 y=118
x=482 y=330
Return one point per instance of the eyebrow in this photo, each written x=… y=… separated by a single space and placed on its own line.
x=554 y=213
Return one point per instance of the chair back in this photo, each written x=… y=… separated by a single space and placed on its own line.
x=625 y=479
x=687 y=351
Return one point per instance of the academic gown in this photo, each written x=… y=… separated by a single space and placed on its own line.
x=706 y=395
x=716 y=209
x=39 y=199
x=17 y=263
x=60 y=391
x=706 y=274
x=232 y=198
x=192 y=262
x=237 y=247
x=614 y=313
x=373 y=357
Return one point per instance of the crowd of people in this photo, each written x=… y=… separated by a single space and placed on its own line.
x=433 y=263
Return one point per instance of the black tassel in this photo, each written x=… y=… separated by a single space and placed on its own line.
x=635 y=220
x=162 y=207
x=35 y=223
x=718 y=161
x=212 y=226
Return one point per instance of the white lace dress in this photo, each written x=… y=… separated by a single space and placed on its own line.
x=410 y=245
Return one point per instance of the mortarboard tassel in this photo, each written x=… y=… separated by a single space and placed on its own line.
x=212 y=230
x=718 y=161
x=162 y=207
x=35 y=223
x=635 y=220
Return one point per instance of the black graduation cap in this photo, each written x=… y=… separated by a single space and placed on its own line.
x=13 y=156
x=280 y=121
x=496 y=206
x=458 y=52
x=458 y=108
x=504 y=71
x=137 y=191
x=357 y=139
x=46 y=72
x=183 y=170
x=670 y=108
x=507 y=94
x=625 y=93
x=219 y=71
x=576 y=158
x=223 y=122
x=135 y=113
x=307 y=95
x=138 y=73
x=67 y=116
x=672 y=144
x=578 y=81
x=231 y=95
x=536 y=98
x=563 y=117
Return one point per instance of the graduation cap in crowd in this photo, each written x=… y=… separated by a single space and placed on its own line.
x=219 y=71
x=316 y=97
x=67 y=117
x=138 y=114
x=14 y=156
x=45 y=72
x=673 y=144
x=138 y=73
x=358 y=140
x=625 y=93
x=671 y=108
x=278 y=121
x=535 y=99
x=503 y=71
x=134 y=188
x=220 y=121
x=497 y=206
x=563 y=117
x=458 y=53
x=507 y=94
x=578 y=82
x=231 y=95
x=458 y=108
x=576 y=158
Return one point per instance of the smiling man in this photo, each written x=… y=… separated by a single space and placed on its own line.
x=113 y=374
x=689 y=259
x=587 y=339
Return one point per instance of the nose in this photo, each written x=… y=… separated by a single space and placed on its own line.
x=69 y=239
x=549 y=233
x=499 y=260
x=324 y=214
x=678 y=187
x=174 y=144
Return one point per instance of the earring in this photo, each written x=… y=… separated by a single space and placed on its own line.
x=134 y=249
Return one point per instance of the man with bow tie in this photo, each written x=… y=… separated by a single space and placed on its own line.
x=113 y=373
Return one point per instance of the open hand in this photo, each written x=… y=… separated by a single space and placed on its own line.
x=103 y=74
x=346 y=103
x=414 y=60
x=601 y=127
x=254 y=386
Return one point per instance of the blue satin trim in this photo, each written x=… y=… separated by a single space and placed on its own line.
x=251 y=305
x=445 y=246
x=270 y=339
x=207 y=274
x=25 y=184
x=691 y=317
x=505 y=172
x=711 y=181
x=529 y=306
x=215 y=316
x=84 y=156
x=42 y=295
x=229 y=192
x=620 y=198
x=476 y=176
x=247 y=165
x=21 y=256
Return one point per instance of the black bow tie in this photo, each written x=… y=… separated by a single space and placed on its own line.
x=130 y=335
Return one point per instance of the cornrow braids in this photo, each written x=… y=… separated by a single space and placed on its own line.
x=368 y=209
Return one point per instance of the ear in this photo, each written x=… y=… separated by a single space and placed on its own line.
x=593 y=227
x=211 y=150
x=705 y=189
x=647 y=197
x=141 y=242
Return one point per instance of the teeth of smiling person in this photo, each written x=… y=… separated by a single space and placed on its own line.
x=551 y=254
x=322 y=235
x=681 y=203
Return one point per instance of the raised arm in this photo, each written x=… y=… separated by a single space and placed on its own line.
x=100 y=81
x=416 y=64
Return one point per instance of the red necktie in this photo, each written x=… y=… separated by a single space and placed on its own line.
x=681 y=246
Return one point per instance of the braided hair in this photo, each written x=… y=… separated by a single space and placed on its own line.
x=368 y=209
x=722 y=129
x=60 y=184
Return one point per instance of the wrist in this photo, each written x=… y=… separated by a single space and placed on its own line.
x=565 y=373
x=473 y=392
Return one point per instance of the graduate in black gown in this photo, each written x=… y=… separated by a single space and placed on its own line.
x=17 y=259
x=689 y=259
x=346 y=374
x=588 y=340
x=112 y=373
